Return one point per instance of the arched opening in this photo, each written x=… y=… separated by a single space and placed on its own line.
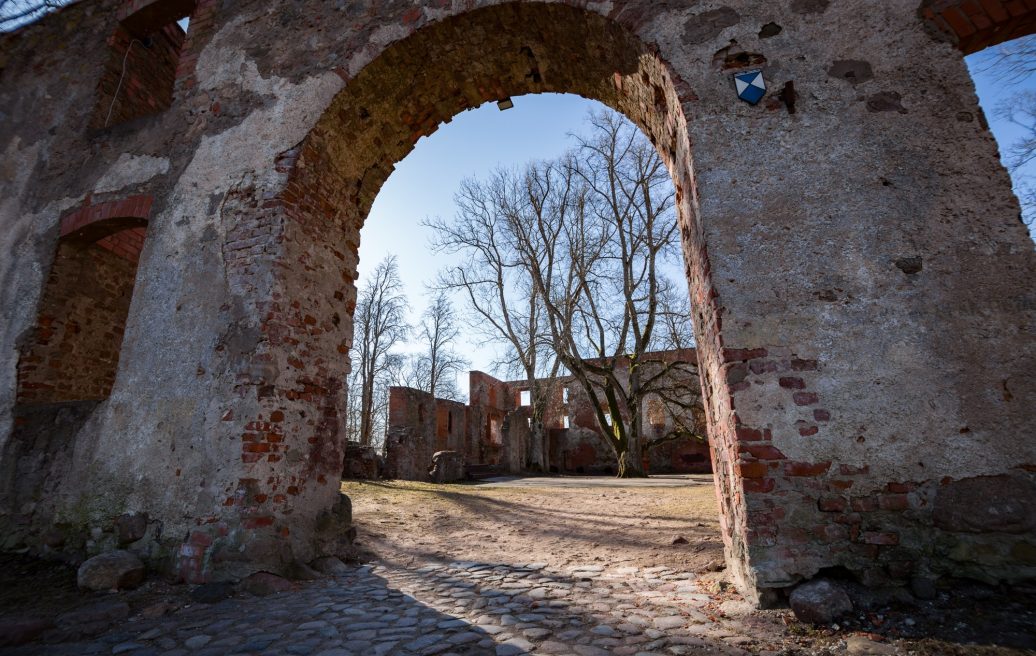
x=416 y=84
x=473 y=149
x=491 y=369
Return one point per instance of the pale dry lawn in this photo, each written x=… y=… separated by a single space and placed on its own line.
x=627 y=525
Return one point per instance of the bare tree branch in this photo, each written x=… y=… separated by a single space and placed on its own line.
x=379 y=324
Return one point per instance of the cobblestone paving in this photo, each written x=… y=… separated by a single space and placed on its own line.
x=456 y=608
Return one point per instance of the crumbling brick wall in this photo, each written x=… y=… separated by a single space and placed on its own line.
x=419 y=425
x=583 y=448
x=898 y=297
x=489 y=402
x=496 y=429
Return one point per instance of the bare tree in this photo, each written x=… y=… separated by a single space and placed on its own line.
x=1013 y=63
x=379 y=324
x=16 y=13
x=503 y=304
x=436 y=367
x=1020 y=109
x=619 y=227
x=588 y=234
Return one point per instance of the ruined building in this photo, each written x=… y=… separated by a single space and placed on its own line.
x=862 y=288
x=493 y=428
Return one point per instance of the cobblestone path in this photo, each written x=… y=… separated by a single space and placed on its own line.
x=455 y=608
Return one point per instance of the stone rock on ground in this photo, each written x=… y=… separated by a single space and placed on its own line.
x=265 y=583
x=210 y=593
x=115 y=570
x=131 y=527
x=447 y=467
x=331 y=566
x=361 y=462
x=863 y=646
x=19 y=630
x=819 y=602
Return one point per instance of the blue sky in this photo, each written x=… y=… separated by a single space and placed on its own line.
x=422 y=186
x=992 y=90
x=475 y=142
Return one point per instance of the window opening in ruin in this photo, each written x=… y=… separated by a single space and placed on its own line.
x=73 y=354
x=449 y=422
x=525 y=398
x=564 y=395
x=564 y=422
x=141 y=72
x=656 y=412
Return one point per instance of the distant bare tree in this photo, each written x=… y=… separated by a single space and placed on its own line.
x=435 y=369
x=503 y=304
x=1020 y=109
x=587 y=234
x=1012 y=63
x=15 y=13
x=379 y=324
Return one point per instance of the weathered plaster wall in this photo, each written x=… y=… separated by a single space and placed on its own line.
x=861 y=283
x=876 y=325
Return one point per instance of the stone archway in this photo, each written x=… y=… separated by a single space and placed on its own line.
x=405 y=93
x=865 y=310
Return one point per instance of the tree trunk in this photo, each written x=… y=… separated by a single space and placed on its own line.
x=630 y=465
x=367 y=413
x=631 y=451
x=537 y=456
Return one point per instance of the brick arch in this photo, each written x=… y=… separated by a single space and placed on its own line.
x=973 y=25
x=94 y=222
x=406 y=92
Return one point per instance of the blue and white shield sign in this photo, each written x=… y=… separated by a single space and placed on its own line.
x=750 y=86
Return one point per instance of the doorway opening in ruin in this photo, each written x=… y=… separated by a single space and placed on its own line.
x=494 y=54
x=486 y=377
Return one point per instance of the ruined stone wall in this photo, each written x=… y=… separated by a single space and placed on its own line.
x=489 y=402
x=860 y=282
x=583 y=448
x=419 y=425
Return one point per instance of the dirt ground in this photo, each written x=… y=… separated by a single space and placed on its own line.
x=527 y=522
x=674 y=523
